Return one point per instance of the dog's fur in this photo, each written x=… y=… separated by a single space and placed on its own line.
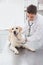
x=16 y=38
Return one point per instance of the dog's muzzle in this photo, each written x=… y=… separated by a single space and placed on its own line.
x=15 y=33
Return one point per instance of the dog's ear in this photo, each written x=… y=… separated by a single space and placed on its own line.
x=10 y=30
x=20 y=29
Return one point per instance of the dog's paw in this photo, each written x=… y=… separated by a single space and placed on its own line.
x=17 y=52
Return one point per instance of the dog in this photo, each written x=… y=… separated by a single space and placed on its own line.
x=16 y=38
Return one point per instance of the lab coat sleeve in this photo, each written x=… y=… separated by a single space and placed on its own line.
x=36 y=40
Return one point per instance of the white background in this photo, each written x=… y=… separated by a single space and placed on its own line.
x=11 y=13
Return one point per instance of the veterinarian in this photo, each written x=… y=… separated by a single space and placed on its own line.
x=33 y=28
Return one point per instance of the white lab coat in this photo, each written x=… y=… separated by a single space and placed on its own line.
x=35 y=40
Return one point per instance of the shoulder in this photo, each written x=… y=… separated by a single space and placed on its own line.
x=40 y=19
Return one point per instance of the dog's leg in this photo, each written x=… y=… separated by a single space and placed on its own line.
x=30 y=49
x=14 y=49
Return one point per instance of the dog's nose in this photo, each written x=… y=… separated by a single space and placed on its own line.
x=14 y=32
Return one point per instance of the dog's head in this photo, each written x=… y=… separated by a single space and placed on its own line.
x=16 y=30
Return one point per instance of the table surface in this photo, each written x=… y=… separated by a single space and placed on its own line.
x=25 y=57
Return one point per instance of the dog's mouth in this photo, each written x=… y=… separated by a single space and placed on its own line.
x=15 y=33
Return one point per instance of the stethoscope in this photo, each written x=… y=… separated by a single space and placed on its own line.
x=30 y=25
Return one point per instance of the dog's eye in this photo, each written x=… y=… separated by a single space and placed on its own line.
x=16 y=28
x=12 y=28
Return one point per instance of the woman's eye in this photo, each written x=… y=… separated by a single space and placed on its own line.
x=12 y=28
x=16 y=28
